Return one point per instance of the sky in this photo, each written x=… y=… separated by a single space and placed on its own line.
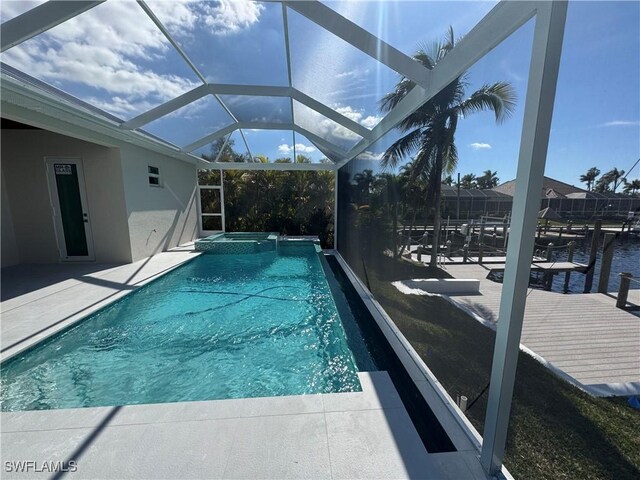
x=115 y=58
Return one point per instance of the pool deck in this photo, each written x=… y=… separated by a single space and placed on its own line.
x=582 y=337
x=366 y=434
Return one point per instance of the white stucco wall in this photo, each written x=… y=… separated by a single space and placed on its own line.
x=24 y=174
x=9 y=253
x=159 y=217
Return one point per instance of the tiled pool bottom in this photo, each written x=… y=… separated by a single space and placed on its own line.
x=221 y=326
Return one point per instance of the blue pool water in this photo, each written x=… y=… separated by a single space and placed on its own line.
x=221 y=326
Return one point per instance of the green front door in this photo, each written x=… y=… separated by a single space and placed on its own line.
x=71 y=212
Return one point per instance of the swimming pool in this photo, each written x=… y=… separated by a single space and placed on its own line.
x=218 y=327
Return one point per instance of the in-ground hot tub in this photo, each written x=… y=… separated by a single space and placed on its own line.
x=238 y=242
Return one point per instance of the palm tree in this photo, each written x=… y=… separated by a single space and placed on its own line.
x=488 y=179
x=590 y=177
x=617 y=178
x=430 y=130
x=468 y=181
x=363 y=183
x=613 y=176
x=632 y=187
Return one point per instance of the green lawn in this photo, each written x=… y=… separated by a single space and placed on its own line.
x=556 y=430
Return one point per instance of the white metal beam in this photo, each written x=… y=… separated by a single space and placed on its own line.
x=251 y=90
x=244 y=139
x=268 y=166
x=498 y=24
x=361 y=39
x=166 y=108
x=171 y=40
x=541 y=89
x=40 y=19
x=210 y=138
x=285 y=25
x=275 y=91
x=264 y=126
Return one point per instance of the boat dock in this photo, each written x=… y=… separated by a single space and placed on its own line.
x=583 y=337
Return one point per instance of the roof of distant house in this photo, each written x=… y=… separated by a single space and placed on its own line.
x=551 y=188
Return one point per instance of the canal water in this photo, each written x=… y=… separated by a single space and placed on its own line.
x=626 y=258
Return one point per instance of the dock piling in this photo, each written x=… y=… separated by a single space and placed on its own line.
x=567 y=276
x=623 y=293
x=607 y=257
x=548 y=277
x=595 y=239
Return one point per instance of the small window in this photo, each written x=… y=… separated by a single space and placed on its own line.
x=154 y=176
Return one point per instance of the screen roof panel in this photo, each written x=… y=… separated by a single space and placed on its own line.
x=247 y=108
x=191 y=122
x=111 y=56
x=311 y=151
x=426 y=20
x=229 y=42
x=324 y=127
x=225 y=149
x=271 y=144
x=336 y=73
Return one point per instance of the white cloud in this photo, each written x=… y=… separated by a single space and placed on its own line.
x=369 y=155
x=357 y=116
x=333 y=131
x=114 y=48
x=231 y=16
x=371 y=121
x=300 y=148
x=223 y=17
x=111 y=48
x=622 y=123
x=480 y=146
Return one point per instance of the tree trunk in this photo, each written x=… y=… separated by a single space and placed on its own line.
x=435 y=241
x=413 y=221
x=395 y=230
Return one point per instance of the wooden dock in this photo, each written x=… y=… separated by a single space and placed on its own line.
x=582 y=336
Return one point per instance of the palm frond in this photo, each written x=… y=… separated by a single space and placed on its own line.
x=401 y=148
x=499 y=98
x=391 y=99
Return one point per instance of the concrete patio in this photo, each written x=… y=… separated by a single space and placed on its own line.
x=349 y=435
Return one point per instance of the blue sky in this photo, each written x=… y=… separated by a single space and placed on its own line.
x=114 y=57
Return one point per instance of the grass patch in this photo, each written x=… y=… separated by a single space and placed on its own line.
x=556 y=431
